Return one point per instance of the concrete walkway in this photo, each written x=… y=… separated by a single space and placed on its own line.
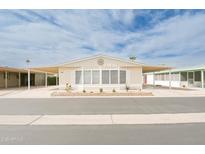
x=113 y=119
x=166 y=92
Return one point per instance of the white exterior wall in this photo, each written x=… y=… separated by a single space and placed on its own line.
x=150 y=79
x=166 y=83
x=134 y=74
x=135 y=78
x=66 y=76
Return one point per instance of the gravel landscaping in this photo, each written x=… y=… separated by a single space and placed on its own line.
x=138 y=93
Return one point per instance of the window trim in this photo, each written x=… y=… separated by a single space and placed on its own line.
x=100 y=76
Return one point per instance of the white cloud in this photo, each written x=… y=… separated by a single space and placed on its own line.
x=54 y=36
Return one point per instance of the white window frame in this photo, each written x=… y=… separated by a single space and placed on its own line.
x=100 y=76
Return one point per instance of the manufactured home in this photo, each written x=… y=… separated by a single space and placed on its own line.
x=192 y=77
x=101 y=71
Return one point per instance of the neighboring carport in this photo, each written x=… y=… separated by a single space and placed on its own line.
x=153 y=69
x=150 y=68
x=51 y=74
x=10 y=77
x=16 y=77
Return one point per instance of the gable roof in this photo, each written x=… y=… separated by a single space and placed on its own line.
x=101 y=56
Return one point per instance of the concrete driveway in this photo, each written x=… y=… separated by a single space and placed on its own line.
x=34 y=92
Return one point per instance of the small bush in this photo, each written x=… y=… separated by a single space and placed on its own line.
x=101 y=90
x=68 y=87
x=127 y=88
x=91 y=92
x=84 y=91
x=113 y=90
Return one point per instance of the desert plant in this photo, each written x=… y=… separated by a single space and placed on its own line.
x=68 y=87
x=127 y=88
x=84 y=91
x=113 y=90
x=101 y=90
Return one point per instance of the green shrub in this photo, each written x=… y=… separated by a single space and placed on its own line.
x=84 y=91
x=113 y=90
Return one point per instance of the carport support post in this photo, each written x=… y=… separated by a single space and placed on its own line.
x=170 y=79
x=202 y=79
x=56 y=79
x=29 y=83
x=153 y=79
x=19 y=79
x=6 y=79
x=82 y=70
x=46 y=78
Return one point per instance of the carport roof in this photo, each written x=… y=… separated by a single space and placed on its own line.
x=11 y=69
x=21 y=70
x=187 y=69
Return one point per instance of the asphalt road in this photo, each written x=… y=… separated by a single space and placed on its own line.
x=120 y=134
x=67 y=106
x=103 y=134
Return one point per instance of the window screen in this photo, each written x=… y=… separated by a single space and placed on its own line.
x=114 y=76
x=183 y=76
x=122 y=77
x=198 y=76
x=105 y=76
x=96 y=77
x=87 y=77
x=78 y=77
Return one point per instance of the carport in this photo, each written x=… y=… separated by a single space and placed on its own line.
x=15 y=77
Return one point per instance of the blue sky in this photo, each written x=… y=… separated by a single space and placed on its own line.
x=46 y=37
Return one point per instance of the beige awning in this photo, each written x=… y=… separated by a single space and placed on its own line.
x=11 y=69
x=51 y=70
x=146 y=69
